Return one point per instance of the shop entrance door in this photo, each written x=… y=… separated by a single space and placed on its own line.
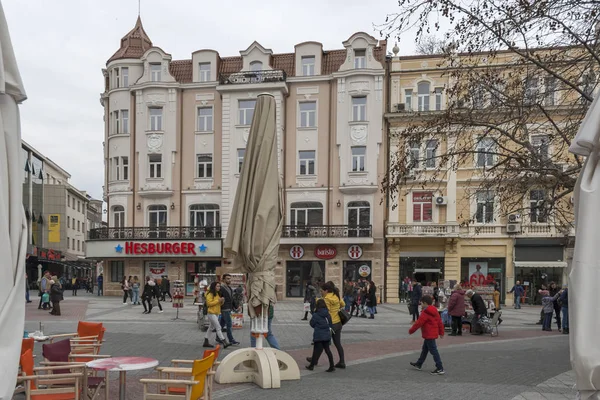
x=426 y=276
x=299 y=273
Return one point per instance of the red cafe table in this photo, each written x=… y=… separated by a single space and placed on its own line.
x=122 y=365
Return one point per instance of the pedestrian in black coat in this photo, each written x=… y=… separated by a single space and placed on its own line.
x=415 y=300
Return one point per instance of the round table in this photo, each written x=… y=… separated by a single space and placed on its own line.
x=122 y=365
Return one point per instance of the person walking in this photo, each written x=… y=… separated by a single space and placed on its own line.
x=74 y=286
x=226 y=294
x=548 y=308
x=348 y=293
x=135 y=291
x=415 y=299
x=148 y=294
x=100 y=282
x=27 y=289
x=479 y=311
x=90 y=285
x=125 y=289
x=309 y=297
x=553 y=290
x=157 y=296
x=165 y=288
x=271 y=339
x=56 y=295
x=564 y=303
x=456 y=309
x=321 y=323
x=410 y=286
x=44 y=287
x=331 y=296
x=431 y=327
x=130 y=283
x=214 y=302
x=371 y=299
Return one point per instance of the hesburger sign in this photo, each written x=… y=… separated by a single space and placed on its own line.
x=325 y=252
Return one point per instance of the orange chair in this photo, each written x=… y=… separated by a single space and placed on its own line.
x=27 y=344
x=57 y=386
x=87 y=340
x=195 y=387
x=177 y=363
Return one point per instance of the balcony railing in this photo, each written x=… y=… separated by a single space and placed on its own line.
x=166 y=233
x=423 y=230
x=263 y=76
x=327 y=231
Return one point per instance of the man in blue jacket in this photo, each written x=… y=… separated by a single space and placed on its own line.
x=519 y=291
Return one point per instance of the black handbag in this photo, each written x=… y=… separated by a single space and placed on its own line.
x=344 y=316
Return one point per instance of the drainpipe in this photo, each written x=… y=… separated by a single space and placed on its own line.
x=387 y=172
x=329 y=158
x=181 y=158
x=134 y=160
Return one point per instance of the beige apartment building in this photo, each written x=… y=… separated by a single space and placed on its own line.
x=175 y=138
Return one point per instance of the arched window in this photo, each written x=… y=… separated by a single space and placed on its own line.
x=256 y=66
x=118 y=213
x=423 y=90
x=359 y=219
x=306 y=213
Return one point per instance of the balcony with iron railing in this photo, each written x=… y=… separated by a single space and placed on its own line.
x=249 y=77
x=473 y=230
x=165 y=233
x=326 y=234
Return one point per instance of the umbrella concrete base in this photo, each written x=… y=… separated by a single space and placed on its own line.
x=265 y=367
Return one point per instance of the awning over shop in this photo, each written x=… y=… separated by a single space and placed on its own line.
x=425 y=270
x=540 y=264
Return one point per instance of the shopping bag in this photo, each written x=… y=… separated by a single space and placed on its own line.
x=306 y=307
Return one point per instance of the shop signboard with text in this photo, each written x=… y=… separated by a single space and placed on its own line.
x=154 y=248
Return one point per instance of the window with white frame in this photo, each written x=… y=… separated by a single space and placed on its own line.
x=531 y=90
x=118 y=216
x=485 y=152
x=246 y=108
x=125 y=76
x=359 y=219
x=116 y=78
x=423 y=89
x=431 y=153
x=205 y=119
x=438 y=98
x=155 y=165
x=125 y=166
x=204 y=72
x=116 y=122
x=306 y=213
x=204 y=167
x=256 y=66
x=537 y=206
x=68 y=222
x=414 y=155
x=408 y=99
x=496 y=92
x=359 y=108
x=541 y=145
x=240 y=159
x=422 y=206
x=550 y=91
x=308 y=65
x=360 y=58
x=307 y=162
x=116 y=169
x=156 y=114
x=308 y=114
x=588 y=83
x=359 y=154
x=203 y=215
x=124 y=121
x=484 y=213
x=155 y=72
x=68 y=243
x=157 y=220
x=477 y=97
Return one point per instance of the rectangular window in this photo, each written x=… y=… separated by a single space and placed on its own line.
x=408 y=99
x=438 y=98
x=116 y=169
x=125 y=166
x=308 y=65
x=422 y=206
x=78 y=226
x=204 y=72
x=68 y=222
x=124 y=121
x=156 y=118
x=155 y=163
x=485 y=207
x=307 y=162
x=537 y=206
x=358 y=158
x=116 y=122
x=205 y=119
x=78 y=206
x=541 y=144
x=68 y=200
x=116 y=78
x=205 y=166
x=246 y=111
x=240 y=158
x=588 y=83
x=485 y=152
x=430 y=153
x=73 y=243
x=478 y=97
x=531 y=90
x=125 y=76
x=549 y=91
x=308 y=114
x=155 y=72
x=360 y=59
x=117 y=271
x=359 y=108
x=414 y=155
x=68 y=243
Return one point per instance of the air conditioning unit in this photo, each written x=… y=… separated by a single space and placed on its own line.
x=514 y=218
x=513 y=228
x=441 y=201
x=400 y=107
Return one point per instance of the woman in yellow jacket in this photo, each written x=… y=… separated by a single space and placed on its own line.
x=213 y=302
x=331 y=295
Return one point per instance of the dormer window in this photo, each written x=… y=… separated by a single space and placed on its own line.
x=360 y=59
x=308 y=65
x=204 y=72
x=256 y=66
x=155 y=75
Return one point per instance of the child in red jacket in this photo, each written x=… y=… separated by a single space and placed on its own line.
x=431 y=327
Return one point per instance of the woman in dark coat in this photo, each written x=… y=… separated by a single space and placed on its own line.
x=148 y=294
x=371 y=299
x=415 y=300
x=309 y=297
x=456 y=309
x=56 y=296
x=321 y=323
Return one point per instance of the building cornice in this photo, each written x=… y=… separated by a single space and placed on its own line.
x=307 y=79
x=358 y=72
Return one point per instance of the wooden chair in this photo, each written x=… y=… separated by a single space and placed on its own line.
x=195 y=387
x=57 y=386
x=178 y=363
x=87 y=340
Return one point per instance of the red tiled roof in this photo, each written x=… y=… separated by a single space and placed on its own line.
x=332 y=61
x=134 y=44
x=229 y=65
x=286 y=62
x=181 y=70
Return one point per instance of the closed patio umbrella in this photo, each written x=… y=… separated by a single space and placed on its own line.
x=13 y=225
x=584 y=312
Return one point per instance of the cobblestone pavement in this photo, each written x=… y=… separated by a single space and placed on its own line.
x=517 y=363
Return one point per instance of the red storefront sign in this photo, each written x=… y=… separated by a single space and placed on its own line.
x=160 y=248
x=325 y=252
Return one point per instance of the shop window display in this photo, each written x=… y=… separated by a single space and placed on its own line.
x=299 y=273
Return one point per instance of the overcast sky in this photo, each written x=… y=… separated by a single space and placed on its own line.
x=62 y=45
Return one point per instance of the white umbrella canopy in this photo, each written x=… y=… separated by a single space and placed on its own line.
x=584 y=311
x=257 y=215
x=13 y=226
